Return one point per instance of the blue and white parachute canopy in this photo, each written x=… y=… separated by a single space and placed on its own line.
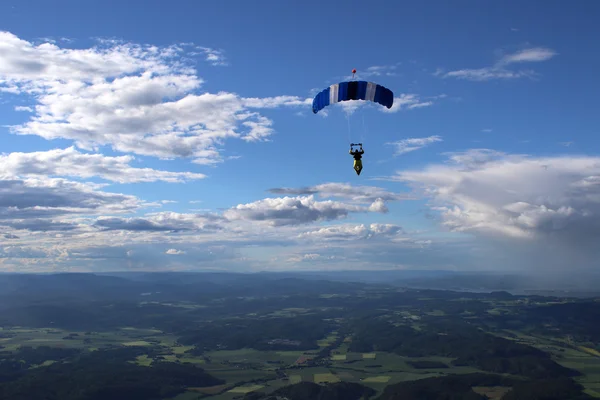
x=353 y=90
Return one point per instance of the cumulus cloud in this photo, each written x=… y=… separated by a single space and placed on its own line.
x=70 y=162
x=231 y=240
x=294 y=210
x=214 y=56
x=174 y=252
x=474 y=158
x=51 y=197
x=357 y=193
x=276 y=102
x=41 y=225
x=515 y=196
x=411 y=144
x=139 y=99
x=407 y=102
x=53 y=207
x=352 y=232
x=500 y=69
x=160 y=222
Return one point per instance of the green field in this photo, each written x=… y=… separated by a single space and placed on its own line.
x=372 y=369
x=377 y=379
x=245 y=389
x=492 y=392
x=327 y=340
x=181 y=349
x=325 y=378
x=269 y=370
x=144 y=360
x=570 y=355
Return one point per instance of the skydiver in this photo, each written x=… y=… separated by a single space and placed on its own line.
x=357 y=154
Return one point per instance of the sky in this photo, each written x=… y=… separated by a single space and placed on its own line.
x=154 y=135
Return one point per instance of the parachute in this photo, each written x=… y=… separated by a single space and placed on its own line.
x=353 y=90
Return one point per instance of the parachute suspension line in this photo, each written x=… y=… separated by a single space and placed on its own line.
x=349 y=130
x=364 y=130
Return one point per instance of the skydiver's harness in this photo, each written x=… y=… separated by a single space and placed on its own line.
x=356 y=153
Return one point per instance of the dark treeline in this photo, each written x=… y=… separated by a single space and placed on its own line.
x=256 y=333
x=425 y=364
x=453 y=387
x=547 y=389
x=467 y=344
x=581 y=319
x=105 y=374
x=313 y=391
x=460 y=387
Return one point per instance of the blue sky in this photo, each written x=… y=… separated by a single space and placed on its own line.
x=179 y=135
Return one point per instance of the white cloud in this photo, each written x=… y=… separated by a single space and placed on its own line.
x=162 y=222
x=214 y=56
x=499 y=69
x=23 y=108
x=374 y=70
x=411 y=144
x=407 y=101
x=311 y=258
x=50 y=197
x=296 y=210
x=474 y=158
x=56 y=205
x=58 y=224
x=53 y=232
x=488 y=73
x=516 y=196
x=70 y=162
x=40 y=225
x=379 y=70
x=355 y=193
x=276 y=102
x=174 y=252
x=136 y=99
x=528 y=55
x=516 y=212
x=352 y=232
